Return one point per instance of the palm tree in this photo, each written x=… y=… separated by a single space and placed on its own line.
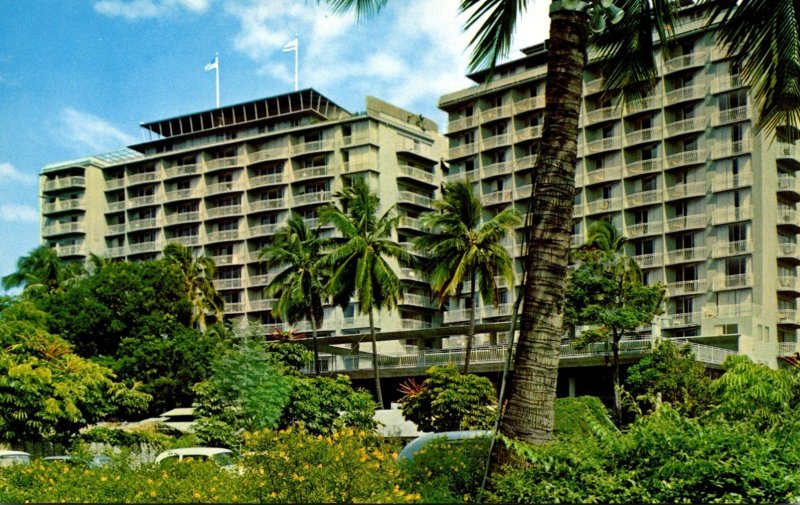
x=762 y=37
x=42 y=270
x=462 y=248
x=358 y=259
x=300 y=285
x=197 y=273
x=608 y=239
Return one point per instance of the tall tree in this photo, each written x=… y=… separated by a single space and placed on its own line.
x=42 y=270
x=607 y=238
x=197 y=273
x=358 y=260
x=763 y=36
x=300 y=285
x=462 y=247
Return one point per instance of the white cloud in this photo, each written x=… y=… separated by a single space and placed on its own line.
x=8 y=173
x=86 y=132
x=142 y=9
x=14 y=213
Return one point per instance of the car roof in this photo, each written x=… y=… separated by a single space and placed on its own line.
x=13 y=453
x=193 y=451
x=423 y=440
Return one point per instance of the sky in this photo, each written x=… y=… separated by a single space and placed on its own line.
x=77 y=77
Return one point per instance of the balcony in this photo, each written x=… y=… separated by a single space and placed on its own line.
x=603 y=175
x=695 y=92
x=788 y=316
x=687 y=255
x=226 y=162
x=788 y=348
x=261 y=230
x=414 y=324
x=363 y=137
x=70 y=250
x=640 y=198
x=734 y=115
x=649 y=260
x=788 y=184
x=115 y=183
x=644 y=229
x=411 y=223
x=603 y=114
x=531 y=132
x=144 y=247
x=224 y=236
x=275 y=153
x=268 y=180
x=114 y=229
x=64 y=228
x=264 y=304
x=730 y=310
x=180 y=170
x=731 y=215
x=643 y=104
x=683 y=223
x=228 y=284
x=312 y=198
x=688 y=190
x=498 y=112
x=141 y=201
x=679 y=63
x=227 y=259
x=415 y=173
x=681 y=320
x=734 y=248
x=728 y=83
x=470 y=175
x=789 y=283
x=645 y=135
x=690 y=125
x=415 y=300
x=607 y=205
x=736 y=281
x=686 y=158
x=788 y=216
x=414 y=199
x=728 y=149
x=462 y=150
x=411 y=275
x=462 y=123
x=502 y=139
x=313 y=172
x=223 y=187
x=692 y=287
x=788 y=151
x=313 y=146
x=728 y=181
x=593 y=86
x=643 y=167
x=497 y=197
x=224 y=211
x=499 y=168
x=183 y=217
x=140 y=224
x=528 y=104
x=526 y=162
x=141 y=177
x=604 y=144
x=180 y=194
x=63 y=205
x=789 y=251
x=75 y=181
x=186 y=240
x=523 y=192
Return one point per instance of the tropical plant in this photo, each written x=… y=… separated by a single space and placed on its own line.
x=358 y=261
x=451 y=401
x=198 y=273
x=602 y=293
x=462 y=247
x=42 y=270
x=300 y=285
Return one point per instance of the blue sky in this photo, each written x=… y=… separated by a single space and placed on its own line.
x=77 y=77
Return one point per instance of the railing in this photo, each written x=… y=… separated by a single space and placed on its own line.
x=182 y=217
x=681 y=223
x=727 y=149
x=499 y=168
x=224 y=210
x=531 y=132
x=788 y=250
x=686 y=158
x=788 y=348
x=314 y=145
x=316 y=197
x=65 y=182
x=678 y=320
x=687 y=255
x=642 y=229
x=788 y=316
x=732 y=181
x=223 y=187
x=496 y=140
x=593 y=86
x=227 y=162
x=530 y=103
x=727 y=83
x=789 y=283
x=607 y=205
x=138 y=224
x=685 y=61
x=788 y=216
x=141 y=177
x=416 y=173
x=644 y=135
x=643 y=167
x=604 y=144
x=642 y=104
x=178 y=170
x=463 y=150
x=731 y=214
x=414 y=198
x=141 y=200
x=603 y=175
x=462 y=123
x=228 y=284
x=496 y=112
x=606 y=113
x=733 y=248
x=264 y=229
x=310 y=172
x=687 y=287
x=274 y=153
x=787 y=182
x=179 y=194
x=265 y=180
x=224 y=235
x=643 y=198
x=733 y=115
x=76 y=203
x=268 y=204
x=60 y=228
x=689 y=189
x=686 y=93
x=686 y=125
x=649 y=260
x=497 y=197
x=733 y=281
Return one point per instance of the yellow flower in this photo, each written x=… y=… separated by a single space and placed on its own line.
x=103 y=478
x=273 y=494
x=153 y=493
x=150 y=481
x=197 y=494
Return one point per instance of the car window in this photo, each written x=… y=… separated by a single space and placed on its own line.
x=223 y=459
x=14 y=459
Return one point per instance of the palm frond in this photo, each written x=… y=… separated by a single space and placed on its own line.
x=363 y=8
x=495 y=21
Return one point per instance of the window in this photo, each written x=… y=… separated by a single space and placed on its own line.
x=737 y=232
x=736 y=266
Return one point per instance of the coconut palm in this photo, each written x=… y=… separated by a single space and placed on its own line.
x=763 y=36
x=300 y=285
x=607 y=238
x=197 y=273
x=358 y=259
x=41 y=270
x=462 y=247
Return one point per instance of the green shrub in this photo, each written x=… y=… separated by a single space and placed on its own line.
x=443 y=472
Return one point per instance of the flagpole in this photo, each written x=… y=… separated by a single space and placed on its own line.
x=216 y=59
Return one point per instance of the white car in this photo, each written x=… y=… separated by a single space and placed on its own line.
x=8 y=458
x=220 y=456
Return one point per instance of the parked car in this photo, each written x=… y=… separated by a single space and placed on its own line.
x=95 y=462
x=452 y=437
x=8 y=458
x=220 y=456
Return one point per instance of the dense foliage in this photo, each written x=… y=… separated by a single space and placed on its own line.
x=451 y=401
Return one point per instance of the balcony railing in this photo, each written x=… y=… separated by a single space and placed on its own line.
x=63 y=228
x=643 y=104
x=139 y=201
x=497 y=197
x=686 y=158
x=727 y=83
x=604 y=144
x=226 y=162
x=728 y=149
x=789 y=283
x=499 y=168
x=496 y=140
x=687 y=287
x=315 y=197
x=788 y=316
x=462 y=123
x=496 y=112
x=463 y=150
x=224 y=210
x=223 y=187
x=606 y=113
x=643 y=229
x=274 y=153
x=788 y=183
x=789 y=250
x=603 y=175
x=643 y=167
x=224 y=235
x=312 y=172
x=735 y=281
x=650 y=197
x=690 y=222
x=680 y=320
x=694 y=92
x=693 y=124
x=649 y=260
x=138 y=224
x=731 y=215
x=180 y=194
x=687 y=255
x=686 y=61
x=268 y=179
x=725 y=182
x=733 y=248
x=182 y=217
x=530 y=103
x=788 y=216
x=65 y=182
x=593 y=86
x=690 y=189
x=644 y=135
x=724 y=116
x=414 y=198
x=416 y=173
x=607 y=205
x=141 y=177
x=179 y=170
x=313 y=146
x=62 y=205
x=531 y=132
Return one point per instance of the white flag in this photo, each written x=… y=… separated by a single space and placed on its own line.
x=291 y=46
x=213 y=65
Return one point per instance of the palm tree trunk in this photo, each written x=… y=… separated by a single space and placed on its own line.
x=378 y=393
x=532 y=386
x=471 y=331
x=314 y=342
